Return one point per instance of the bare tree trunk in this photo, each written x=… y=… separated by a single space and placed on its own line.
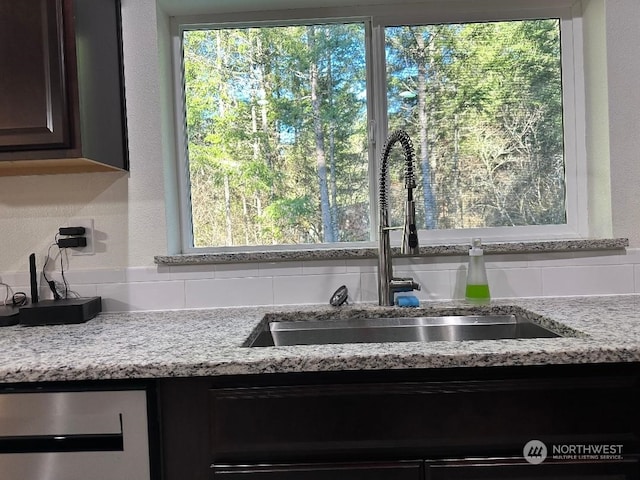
x=254 y=131
x=327 y=231
x=262 y=150
x=430 y=211
x=245 y=217
x=227 y=204
x=334 y=183
x=219 y=67
x=456 y=173
x=259 y=233
x=332 y=154
x=263 y=88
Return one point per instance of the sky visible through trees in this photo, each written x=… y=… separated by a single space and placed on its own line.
x=277 y=128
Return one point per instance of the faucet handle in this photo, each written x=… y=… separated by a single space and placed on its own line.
x=403 y=284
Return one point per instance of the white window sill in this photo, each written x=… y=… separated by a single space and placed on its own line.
x=372 y=252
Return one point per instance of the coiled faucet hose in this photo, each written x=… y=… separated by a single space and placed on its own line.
x=409 y=153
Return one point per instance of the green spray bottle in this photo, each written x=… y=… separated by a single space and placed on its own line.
x=477 y=290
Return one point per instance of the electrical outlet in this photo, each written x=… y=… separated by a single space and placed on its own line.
x=87 y=223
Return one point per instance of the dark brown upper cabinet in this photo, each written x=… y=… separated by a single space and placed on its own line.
x=62 y=107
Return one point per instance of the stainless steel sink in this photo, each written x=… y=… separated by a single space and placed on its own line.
x=401 y=329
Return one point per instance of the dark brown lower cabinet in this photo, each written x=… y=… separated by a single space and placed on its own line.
x=401 y=425
x=445 y=470
x=366 y=471
x=500 y=469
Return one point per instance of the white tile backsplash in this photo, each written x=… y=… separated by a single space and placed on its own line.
x=588 y=280
x=276 y=269
x=237 y=270
x=369 y=287
x=228 y=292
x=303 y=282
x=314 y=288
x=15 y=278
x=85 y=290
x=576 y=259
x=100 y=275
x=362 y=265
x=192 y=272
x=632 y=256
x=515 y=282
x=506 y=261
x=117 y=297
x=147 y=274
x=324 y=267
x=420 y=264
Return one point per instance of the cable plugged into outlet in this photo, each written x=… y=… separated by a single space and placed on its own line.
x=71 y=231
x=78 y=242
x=83 y=228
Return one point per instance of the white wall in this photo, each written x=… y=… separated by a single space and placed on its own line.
x=623 y=67
x=129 y=209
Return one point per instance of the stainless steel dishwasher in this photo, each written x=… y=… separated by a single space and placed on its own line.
x=96 y=435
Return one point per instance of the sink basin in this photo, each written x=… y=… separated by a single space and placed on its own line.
x=400 y=329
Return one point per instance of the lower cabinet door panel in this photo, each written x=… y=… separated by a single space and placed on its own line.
x=434 y=419
x=497 y=470
x=365 y=471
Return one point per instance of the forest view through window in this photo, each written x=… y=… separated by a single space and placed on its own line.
x=277 y=134
x=483 y=105
x=277 y=128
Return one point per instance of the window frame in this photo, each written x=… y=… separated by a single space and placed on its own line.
x=375 y=19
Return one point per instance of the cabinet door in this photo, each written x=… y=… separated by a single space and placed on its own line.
x=433 y=419
x=33 y=100
x=370 y=471
x=497 y=470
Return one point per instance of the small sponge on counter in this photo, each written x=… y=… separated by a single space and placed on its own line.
x=407 y=301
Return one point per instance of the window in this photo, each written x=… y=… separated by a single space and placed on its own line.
x=284 y=120
x=277 y=134
x=483 y=101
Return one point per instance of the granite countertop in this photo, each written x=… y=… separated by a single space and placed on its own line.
x=312 y=252
x=210 y=342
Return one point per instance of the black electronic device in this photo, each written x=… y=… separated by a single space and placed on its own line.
x=8 y=315
x=33 y=278
x=60 y=312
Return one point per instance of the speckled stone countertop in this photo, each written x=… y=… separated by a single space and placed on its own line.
x=372 y=252
x=210 y=342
